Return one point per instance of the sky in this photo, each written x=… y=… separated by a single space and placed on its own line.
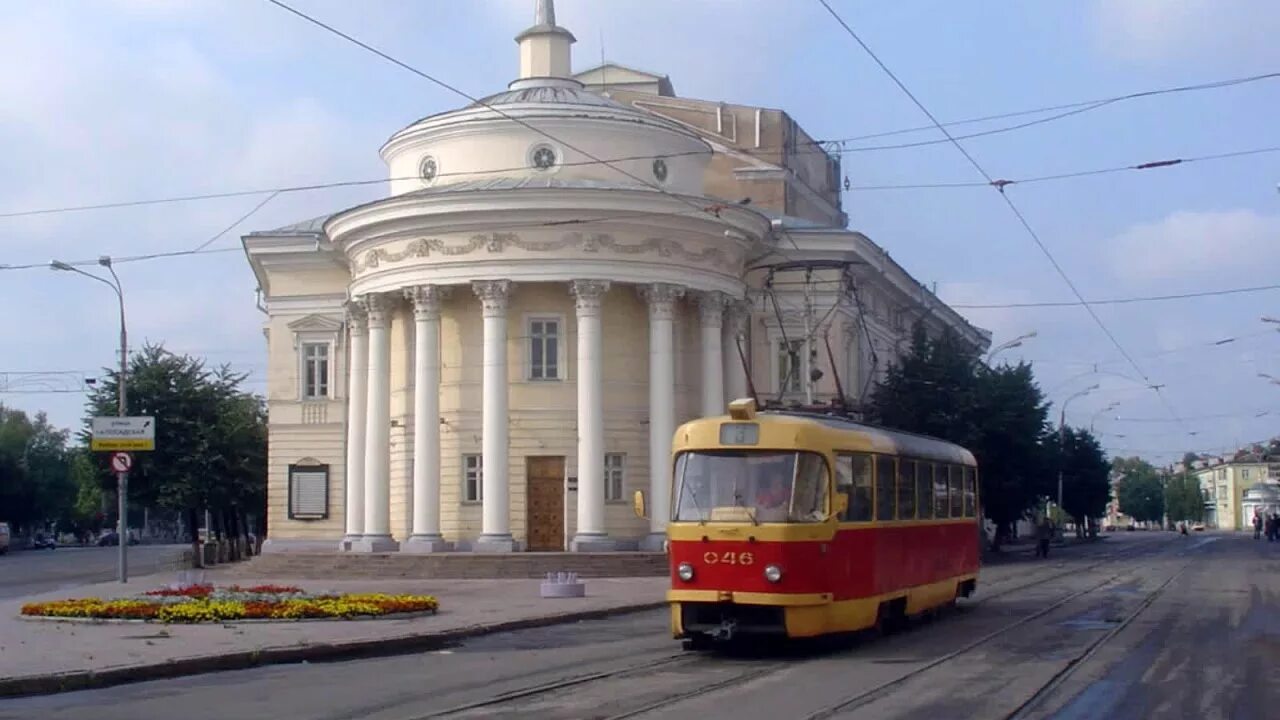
x=120 y=100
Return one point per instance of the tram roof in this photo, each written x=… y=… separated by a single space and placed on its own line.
x=906 y=443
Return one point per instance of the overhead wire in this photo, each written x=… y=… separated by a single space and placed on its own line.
x=1008 y=201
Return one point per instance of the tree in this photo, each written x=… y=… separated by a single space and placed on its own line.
x=1086 y=478
x=1184 y=501
x=35 y=490
x=1140 y=490
x=941 y=388
x=210 y=439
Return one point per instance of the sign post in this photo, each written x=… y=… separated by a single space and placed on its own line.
x=122 y=435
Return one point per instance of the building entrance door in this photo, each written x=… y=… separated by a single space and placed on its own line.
x=546 y=503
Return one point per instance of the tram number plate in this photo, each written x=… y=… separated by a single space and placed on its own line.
x=739 y=434
x=728 y=558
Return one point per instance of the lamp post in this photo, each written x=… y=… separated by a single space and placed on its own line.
x=1016 y=342
x=1274 y=380
x=122 y=478
x=1094 y=419
x=1062 y=434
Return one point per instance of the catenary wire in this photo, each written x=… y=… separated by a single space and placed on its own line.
x=1007 y=200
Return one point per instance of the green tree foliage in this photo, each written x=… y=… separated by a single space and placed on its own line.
x=35 y=486
x=1140 y=490
x=1086 y=482
x=1184 y=501
x=941 y=388
x=210 y=437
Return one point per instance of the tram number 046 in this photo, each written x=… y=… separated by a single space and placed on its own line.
x=728 y=558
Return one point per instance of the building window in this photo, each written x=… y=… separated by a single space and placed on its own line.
x=472 y=478
x=315 y=370
x=1244 y=474
x=885 y=488
x=790 y=365
x=429 y=169
x=544 y=349
x=613 y=474
x=543 y=157
x=308 y=492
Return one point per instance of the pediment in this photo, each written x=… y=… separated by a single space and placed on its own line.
x=315 y=323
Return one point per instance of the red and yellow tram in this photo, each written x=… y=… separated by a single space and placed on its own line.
x=800 y=525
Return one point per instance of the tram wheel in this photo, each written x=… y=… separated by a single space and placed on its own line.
x=695 y=643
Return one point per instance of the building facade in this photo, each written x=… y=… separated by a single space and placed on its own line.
x=1226 y=484
x=491 y=357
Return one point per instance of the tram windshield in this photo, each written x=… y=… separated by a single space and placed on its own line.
x=750 y=487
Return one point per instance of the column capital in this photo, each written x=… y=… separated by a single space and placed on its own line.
x=377 y=308
x=589 y=294
x=493 y=295
x=661 y=298
x=711 y=307
x=737 y=313
x=357 y=321
x=426 y=300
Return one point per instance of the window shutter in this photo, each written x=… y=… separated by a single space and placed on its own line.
x=309 y=493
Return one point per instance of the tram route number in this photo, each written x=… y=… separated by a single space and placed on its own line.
x=728 y=558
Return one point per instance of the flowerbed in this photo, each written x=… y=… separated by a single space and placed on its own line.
x=206 y=603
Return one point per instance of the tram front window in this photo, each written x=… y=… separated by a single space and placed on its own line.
x=750 y=486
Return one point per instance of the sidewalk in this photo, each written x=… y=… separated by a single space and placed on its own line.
x=39 y=657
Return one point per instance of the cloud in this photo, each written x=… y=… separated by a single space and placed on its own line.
x=1196 y=244
x=1156 y=31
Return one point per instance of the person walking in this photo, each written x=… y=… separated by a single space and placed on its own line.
x=1044 y=533
x=1257 y=524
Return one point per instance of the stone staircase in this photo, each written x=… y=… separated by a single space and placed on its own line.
x=460 y=565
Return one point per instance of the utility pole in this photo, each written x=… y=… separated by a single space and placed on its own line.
x=807 y=367
x=1062 y=436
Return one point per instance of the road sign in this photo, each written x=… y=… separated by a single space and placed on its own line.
x=121 y=462
x=123 y=433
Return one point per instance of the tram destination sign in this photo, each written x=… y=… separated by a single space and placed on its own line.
x=129 y=434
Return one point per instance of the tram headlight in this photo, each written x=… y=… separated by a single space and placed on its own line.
x=773 y=573
x=685 y=571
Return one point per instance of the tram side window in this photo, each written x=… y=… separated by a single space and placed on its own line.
x=924 y=490
x=884 y=487
x=970 y=493
x=940 y=506
x=853 y=477
x=906 y=489
x=957 y=492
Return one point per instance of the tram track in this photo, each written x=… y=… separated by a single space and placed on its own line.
x=513 y=699
x=870 y=695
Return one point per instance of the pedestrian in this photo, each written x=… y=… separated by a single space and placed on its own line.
x=1044 y=532
x=1271 y=528
x=1257 y=524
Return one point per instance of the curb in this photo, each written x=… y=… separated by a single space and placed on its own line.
x=353 y=650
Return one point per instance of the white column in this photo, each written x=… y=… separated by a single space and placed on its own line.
x=662 y=407
x=377 y=452
x=711 y=310
x=357 y=377
x=733 y=335
x=591 y=535
x=426 y=535
x=495 y=527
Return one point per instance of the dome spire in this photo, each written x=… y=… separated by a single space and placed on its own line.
x=544 y=48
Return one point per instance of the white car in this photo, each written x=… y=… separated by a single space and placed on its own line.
x=4 y=538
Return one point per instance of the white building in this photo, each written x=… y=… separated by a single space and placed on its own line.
x=491 y=357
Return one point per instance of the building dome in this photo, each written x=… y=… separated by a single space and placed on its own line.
x=547 y=124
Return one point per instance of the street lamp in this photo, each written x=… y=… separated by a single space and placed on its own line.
x=1062 y=433
x=1274 y=380
x=1094 y=419
x=1016 y=342
x=1269 y=319
x=122 y=479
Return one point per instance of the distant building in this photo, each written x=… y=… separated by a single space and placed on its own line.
x=1224 y=484
x=497 y=355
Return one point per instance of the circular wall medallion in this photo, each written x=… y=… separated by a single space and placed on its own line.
x=660 y=169
x=543 y=157
x=428 y=168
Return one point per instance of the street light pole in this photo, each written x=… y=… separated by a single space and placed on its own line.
x=1016 y=342
x=1062 y=435
x=122 y=478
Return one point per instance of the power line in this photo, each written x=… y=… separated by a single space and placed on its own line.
x=1012 y=207
x=1118 y=301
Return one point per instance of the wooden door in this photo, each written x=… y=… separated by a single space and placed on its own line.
x=546 y=503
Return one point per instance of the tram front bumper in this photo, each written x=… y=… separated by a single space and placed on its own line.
x=723 y=614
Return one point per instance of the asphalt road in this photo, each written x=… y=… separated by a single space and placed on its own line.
x=25 y=572
x=1144 y=625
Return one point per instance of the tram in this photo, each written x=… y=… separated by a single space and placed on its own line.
x=798 y=524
